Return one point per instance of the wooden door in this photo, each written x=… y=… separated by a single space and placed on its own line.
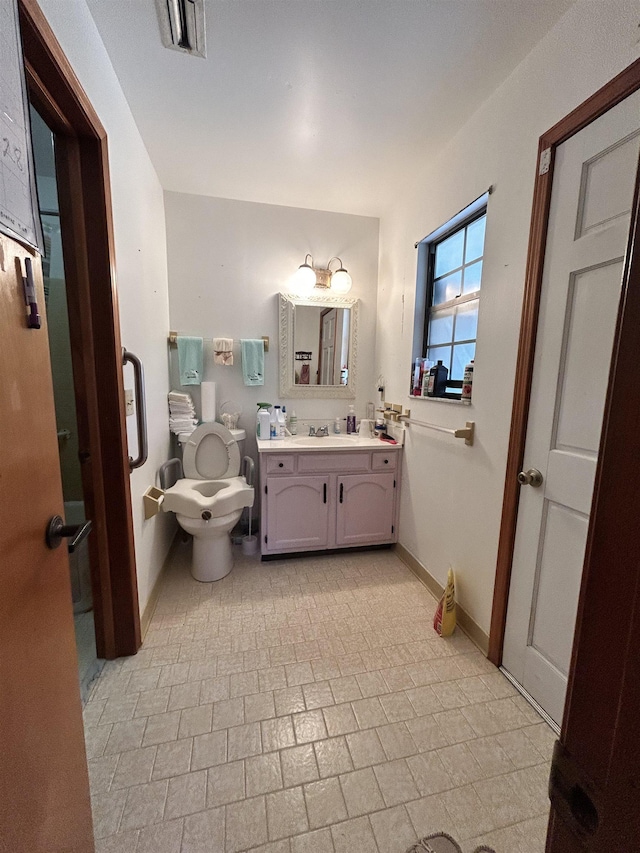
x=366 y=509
x=595 y=780
x=593 y=184
x=326 y=366
x=44 y=788
x=297 y=513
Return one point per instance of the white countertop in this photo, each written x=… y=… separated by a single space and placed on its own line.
x=334 y=443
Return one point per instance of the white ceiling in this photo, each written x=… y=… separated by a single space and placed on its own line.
x=314 y=103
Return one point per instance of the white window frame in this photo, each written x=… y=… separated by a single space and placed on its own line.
x=425 y=281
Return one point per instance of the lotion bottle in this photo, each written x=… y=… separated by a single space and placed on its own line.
x=467 y=383
x=351 y=421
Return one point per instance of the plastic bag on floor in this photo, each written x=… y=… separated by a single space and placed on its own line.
x=444 y=622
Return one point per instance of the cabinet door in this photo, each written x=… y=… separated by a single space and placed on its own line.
x=297 y=513
x=366 y=504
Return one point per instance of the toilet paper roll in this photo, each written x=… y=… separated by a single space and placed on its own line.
x=208 y=401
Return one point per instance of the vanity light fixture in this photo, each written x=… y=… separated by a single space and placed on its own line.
x=182 y=25
x=307 y=277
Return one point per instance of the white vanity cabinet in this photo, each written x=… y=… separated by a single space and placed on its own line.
x=319 y=500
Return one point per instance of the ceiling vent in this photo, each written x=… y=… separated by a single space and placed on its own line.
x=182 y=25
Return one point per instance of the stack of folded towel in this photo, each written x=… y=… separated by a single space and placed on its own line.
x=182 y=413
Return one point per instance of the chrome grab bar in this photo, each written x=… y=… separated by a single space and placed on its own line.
x=141 y=409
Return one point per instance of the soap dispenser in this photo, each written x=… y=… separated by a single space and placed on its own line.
x=351 y=421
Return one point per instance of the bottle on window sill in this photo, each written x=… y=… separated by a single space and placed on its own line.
x=437 y=384
x=467 y=383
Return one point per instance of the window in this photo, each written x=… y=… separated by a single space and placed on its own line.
x=449 y=281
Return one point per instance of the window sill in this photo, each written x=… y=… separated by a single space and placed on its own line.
x=440 y=400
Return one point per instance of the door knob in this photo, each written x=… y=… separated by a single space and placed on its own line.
x=532 y=477
x=57 y=530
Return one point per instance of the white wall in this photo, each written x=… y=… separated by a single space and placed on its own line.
x=228 y=260
x=452 y=494
x=140 y=251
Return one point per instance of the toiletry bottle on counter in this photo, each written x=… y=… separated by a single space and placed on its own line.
x=264 y=426
x=379 y=427
x=279 y=424
x=437 y=380
x=467 y=383
x=263 y=429
x=351 y=421
x=273 y=423
x=293 y=423
x=336 y=426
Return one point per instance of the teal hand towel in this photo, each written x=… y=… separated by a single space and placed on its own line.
x=253 y=362
x=190 y=360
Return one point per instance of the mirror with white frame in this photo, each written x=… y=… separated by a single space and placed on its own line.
x=318 y=346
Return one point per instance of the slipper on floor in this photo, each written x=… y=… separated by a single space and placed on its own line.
x=442 y=843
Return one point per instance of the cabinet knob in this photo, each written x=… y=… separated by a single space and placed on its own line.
x=386 y=461
x=280 y=464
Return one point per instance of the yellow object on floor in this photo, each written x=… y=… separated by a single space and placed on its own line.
x=444 y=621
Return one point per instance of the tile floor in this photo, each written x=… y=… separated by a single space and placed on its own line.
x=306 y=706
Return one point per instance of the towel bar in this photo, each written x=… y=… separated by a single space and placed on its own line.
x=467 y=432
x=173 y=340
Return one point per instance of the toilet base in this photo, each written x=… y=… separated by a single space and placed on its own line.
x=212 y=558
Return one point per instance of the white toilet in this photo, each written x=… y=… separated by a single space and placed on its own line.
x=210 y=499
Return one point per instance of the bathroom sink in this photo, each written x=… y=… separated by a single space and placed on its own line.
x=326 y=440
x=333 y=441
x=294 y=443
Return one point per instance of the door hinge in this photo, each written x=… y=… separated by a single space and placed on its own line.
x=266 y=490
x=393 y=528
x=545 y=161
x=394 y=484
x=265 y=539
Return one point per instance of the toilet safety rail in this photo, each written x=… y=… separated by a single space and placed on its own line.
x=248 y=470
x=170 y=472
x=141 y=408
x=467 y=432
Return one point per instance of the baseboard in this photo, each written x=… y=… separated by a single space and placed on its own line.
x=147 y=613
x=466 y=623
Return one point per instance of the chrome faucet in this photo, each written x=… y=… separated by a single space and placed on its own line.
x=321 y=432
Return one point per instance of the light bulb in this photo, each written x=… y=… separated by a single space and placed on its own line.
x=341 y=281
x=304 y=280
